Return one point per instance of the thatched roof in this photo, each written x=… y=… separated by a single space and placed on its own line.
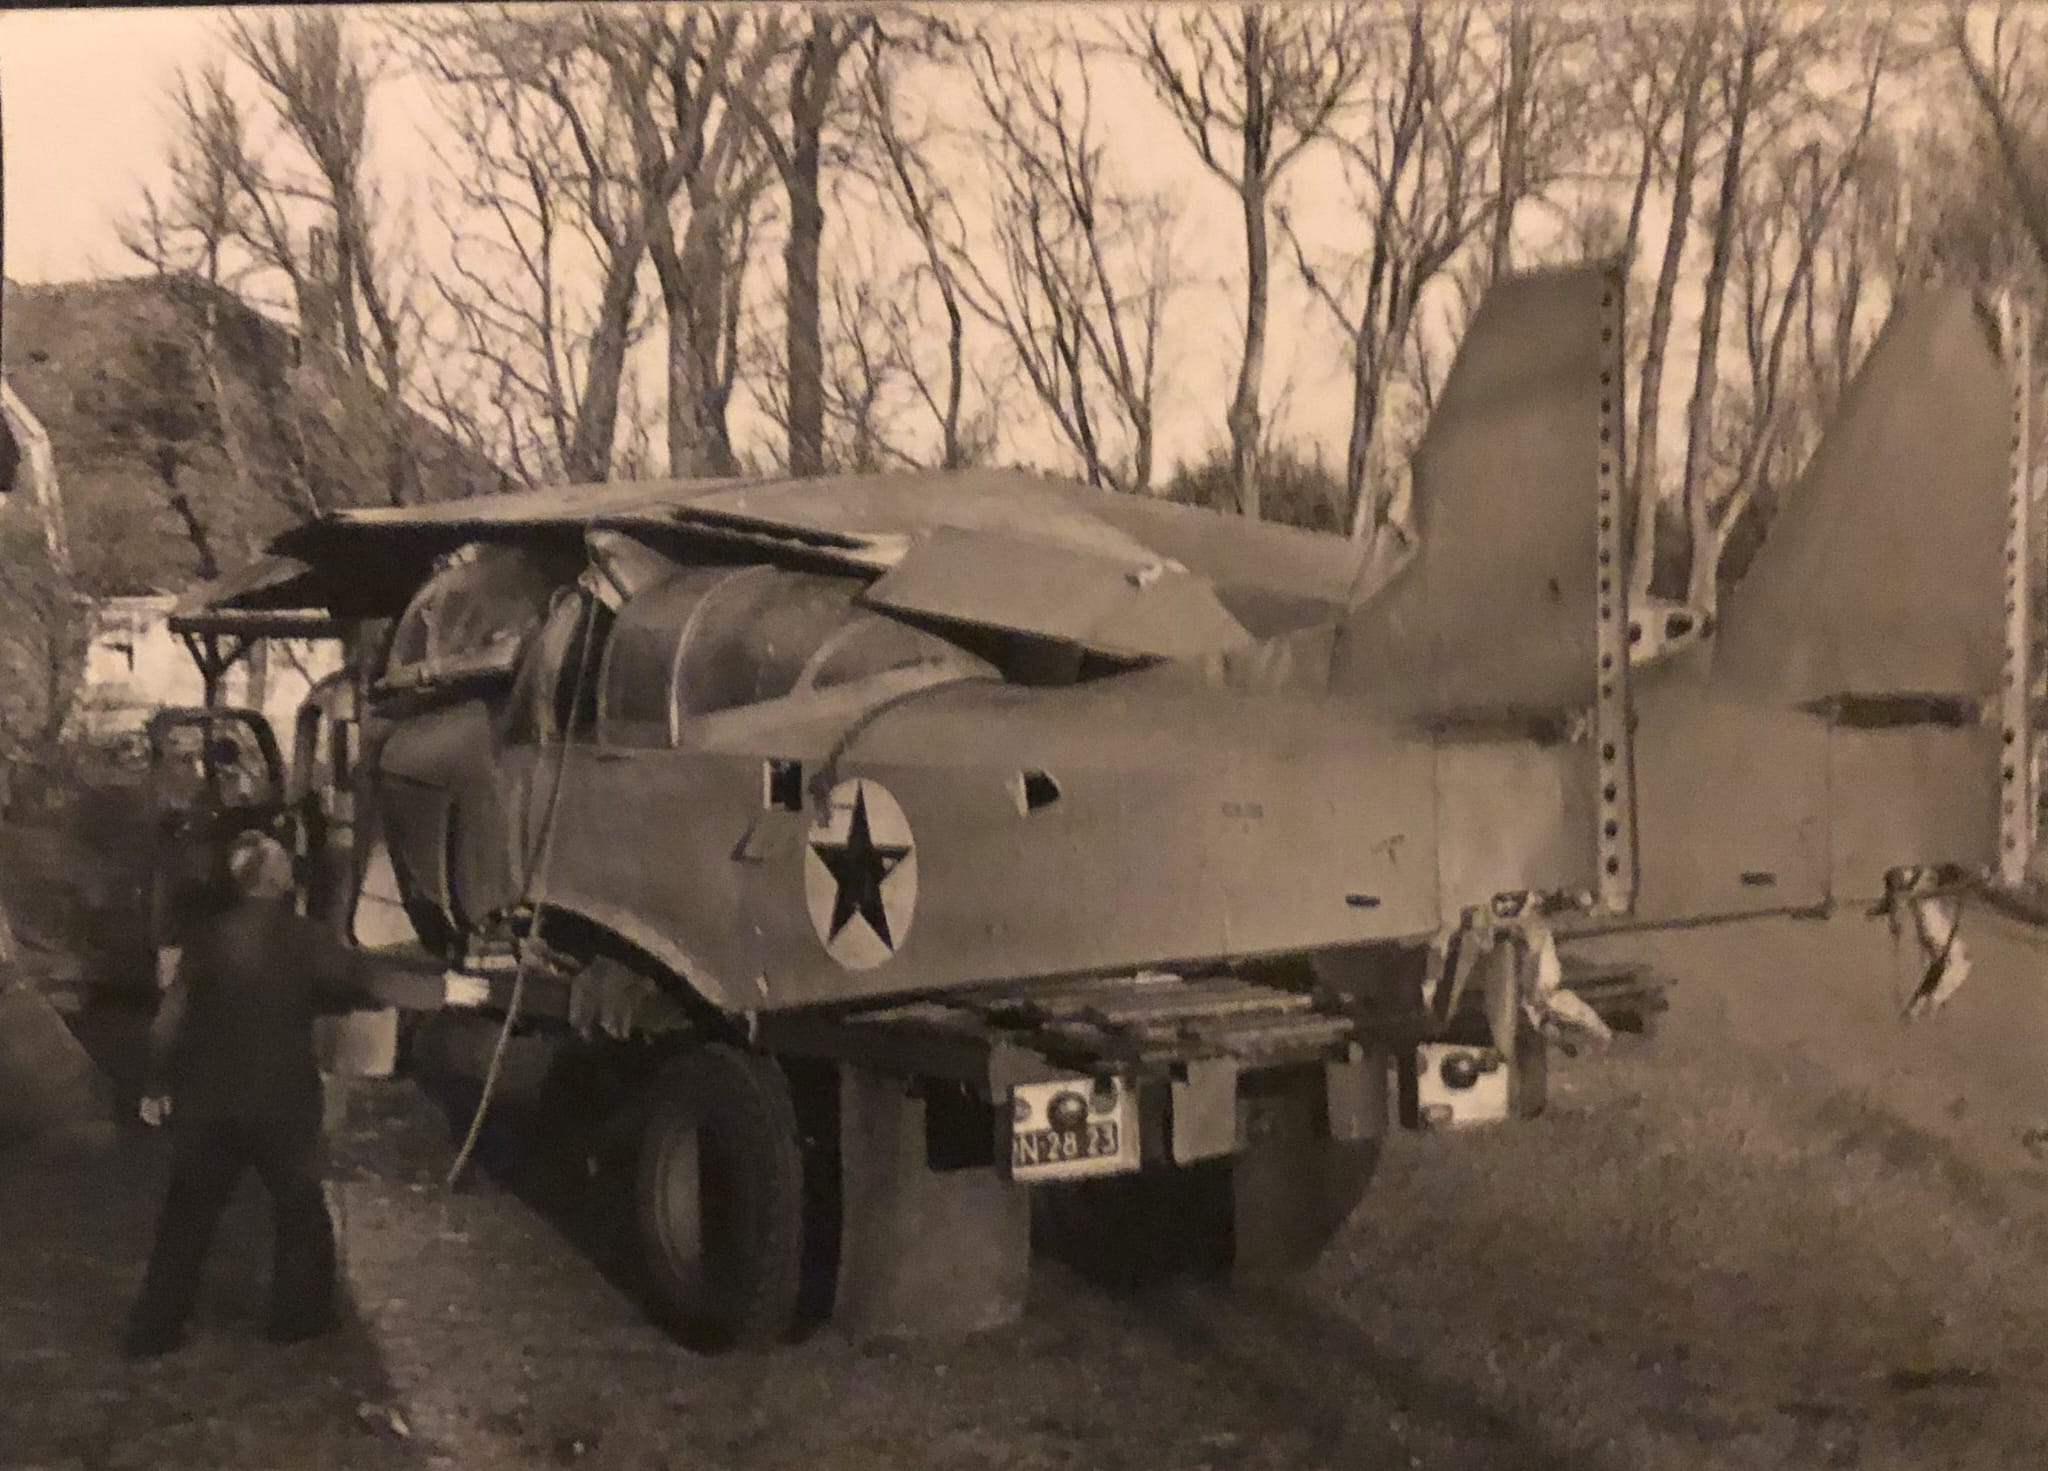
x=161 y=445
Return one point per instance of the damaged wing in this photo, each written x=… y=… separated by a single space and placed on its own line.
x=1122 y=576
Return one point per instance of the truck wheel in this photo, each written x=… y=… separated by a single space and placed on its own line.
x=720 y=1199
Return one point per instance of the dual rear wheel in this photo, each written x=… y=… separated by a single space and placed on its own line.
x=721 y=1205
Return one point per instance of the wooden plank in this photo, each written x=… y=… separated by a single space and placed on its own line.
x=1248 y=999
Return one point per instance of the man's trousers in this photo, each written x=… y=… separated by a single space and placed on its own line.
x=208 y=1156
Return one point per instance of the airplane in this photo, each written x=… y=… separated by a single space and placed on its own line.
x=934 y=835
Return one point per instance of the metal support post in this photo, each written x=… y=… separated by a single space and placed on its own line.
x=1612 y=737
x=2017 y=798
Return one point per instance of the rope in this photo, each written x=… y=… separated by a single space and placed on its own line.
x=532 y=896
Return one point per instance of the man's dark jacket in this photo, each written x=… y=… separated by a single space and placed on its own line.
x=254 y=978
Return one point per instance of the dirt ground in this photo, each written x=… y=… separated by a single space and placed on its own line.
x=1788 y=1231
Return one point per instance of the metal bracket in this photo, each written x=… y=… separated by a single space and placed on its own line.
x=1612 y=738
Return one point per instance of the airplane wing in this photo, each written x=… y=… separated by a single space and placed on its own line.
x=1125 y=576
x=1116 y=606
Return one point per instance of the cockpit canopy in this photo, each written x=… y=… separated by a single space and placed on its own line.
x=713 y=640
x=684 y=647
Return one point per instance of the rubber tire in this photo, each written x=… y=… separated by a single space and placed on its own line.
x=733 y=1282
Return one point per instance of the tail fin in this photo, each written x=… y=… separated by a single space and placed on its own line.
x=1884 y=573
x=1839 y=733
x=1494 y=610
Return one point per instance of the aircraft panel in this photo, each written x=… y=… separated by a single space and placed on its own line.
x=1731 y=802
x=1073 y=831
x=1514 y=816
x=650 y=843
x=1910 y=796
x=1035 y=587
x=1495 y=610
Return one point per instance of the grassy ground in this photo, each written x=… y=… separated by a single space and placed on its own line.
x=1787 y=1232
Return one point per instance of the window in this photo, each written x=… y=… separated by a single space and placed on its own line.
x=557 y=686
x=213 y=762
x=755 y=635
x=640 y=660
x=877 y=645
x=763 y=634
x=470 y=617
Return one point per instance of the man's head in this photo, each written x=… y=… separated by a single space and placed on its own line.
x=259 y=867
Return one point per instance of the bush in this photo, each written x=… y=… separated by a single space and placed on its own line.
x=1293 y=490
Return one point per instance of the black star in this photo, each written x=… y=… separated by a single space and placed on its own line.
x=858 y=867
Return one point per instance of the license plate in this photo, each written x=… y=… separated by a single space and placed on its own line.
x=1070 y=1129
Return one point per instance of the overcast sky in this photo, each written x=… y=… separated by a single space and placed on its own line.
x=87 y=124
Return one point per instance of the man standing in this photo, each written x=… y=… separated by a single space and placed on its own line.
x=234 y=1041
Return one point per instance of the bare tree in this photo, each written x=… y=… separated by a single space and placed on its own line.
x=544 y=194
x=867 y=380
x=1081 y=270
x=927 y=207
x=1994 y=58
x=1866 y=251
x=798 y=156
x=1252 y=89
x=195 y=236
x=1683 y=47
x=315 y=82
x=1542 y=109
x=1764 y=90
x=867 y=368
x=672 y=75
x=1416 y=158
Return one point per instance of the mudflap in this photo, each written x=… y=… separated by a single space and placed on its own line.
x=921 y=1250
x=1294 y=1186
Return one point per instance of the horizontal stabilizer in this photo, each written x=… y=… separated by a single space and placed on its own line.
x=1838 y=735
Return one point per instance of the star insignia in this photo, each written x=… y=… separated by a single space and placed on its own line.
x=858 y=866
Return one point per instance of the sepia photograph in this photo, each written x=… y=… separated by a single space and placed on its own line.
x=1179 y=737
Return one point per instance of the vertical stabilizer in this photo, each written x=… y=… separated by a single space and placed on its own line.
x=1847 y=726
x=1494 y=612
x=1883 y=573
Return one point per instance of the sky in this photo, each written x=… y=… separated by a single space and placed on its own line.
x=84 y=104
